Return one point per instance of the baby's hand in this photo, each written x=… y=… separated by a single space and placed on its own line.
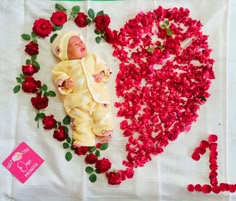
x=98 y=77
x=68 y=83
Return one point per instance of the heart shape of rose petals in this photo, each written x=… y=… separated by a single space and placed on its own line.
x=164 y=73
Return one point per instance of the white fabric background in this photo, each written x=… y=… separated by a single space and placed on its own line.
x=163 y=179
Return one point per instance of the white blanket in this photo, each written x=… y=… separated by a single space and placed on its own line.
x=166 y=177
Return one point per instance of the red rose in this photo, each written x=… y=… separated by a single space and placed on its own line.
x=58 y=18
x=81 y=150
x=42 y=27
x=30 y=85
x=98 y=145
x=102 y=22
x=80 y=20
x=91 y=158
x=29 y=69
x=39 y=102
x=49 y=122
x=114 y=178
x=109 y=35
x=60 y=134
x=103 y=165
x=32 y=48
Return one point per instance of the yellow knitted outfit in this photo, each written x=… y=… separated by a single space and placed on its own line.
x=88 y=102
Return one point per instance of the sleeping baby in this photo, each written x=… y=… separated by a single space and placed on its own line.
x=81 y=80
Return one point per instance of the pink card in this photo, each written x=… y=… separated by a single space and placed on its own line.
x=23 y=162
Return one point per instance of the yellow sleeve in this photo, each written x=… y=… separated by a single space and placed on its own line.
x=100 y=66
x=60 y=73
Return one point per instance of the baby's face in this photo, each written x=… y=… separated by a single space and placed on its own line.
x=76 y=48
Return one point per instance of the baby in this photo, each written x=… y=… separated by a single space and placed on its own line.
x=81 y=80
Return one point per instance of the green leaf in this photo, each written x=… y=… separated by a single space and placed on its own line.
x=150 y=49
x=36 y=64
x=28 y=61
x=72 y=14
x=100 y=13
x=35 y=40
x=53 y=37
x=93 y=178
x=68 y=156
x=25 y=36
x=39 y=115
x=89 y=169
x=44 y=87
x=60 y=7
x=97 y=171
x=51 y=94
x=163 y=26
x=34 y=57
x=57 y=28
x=22 y=76
x=97 y=31
x=66 y=129
x=75 y=10
x=59 y=123
x=42 y=115
x=16 y=89
x=36 y=117
x=160 y=47
x=169 y=32
x=88 y=20
x=33 y=35
x=68 y=140
x=92 y=149
x=72 y=147
x=66 y=120
x=97 y=153
x=91 y=13
x=103 y=146
x=66 y=145
x=202 y=97
x=167 y=23
x=18 y=80
x=98 y=39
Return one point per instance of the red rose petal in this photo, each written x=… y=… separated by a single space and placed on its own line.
x=198 y=187
x=232 y=188
x=213 y=174
x=195 y=156
x=212 y=138
x=190 y=188
x=200 y=150
x=224 y=187
x=213 y=167
x=204 y=144
x=216 y=189
x=213 y=154
x=213 y=160
x=213 y=146
x=206 y=188
x=214 y=181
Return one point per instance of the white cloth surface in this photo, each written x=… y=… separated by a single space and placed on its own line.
x=166 y=177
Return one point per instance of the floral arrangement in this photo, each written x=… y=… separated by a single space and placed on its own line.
x=164 y=73
x=212 y=145
x=214 y=186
